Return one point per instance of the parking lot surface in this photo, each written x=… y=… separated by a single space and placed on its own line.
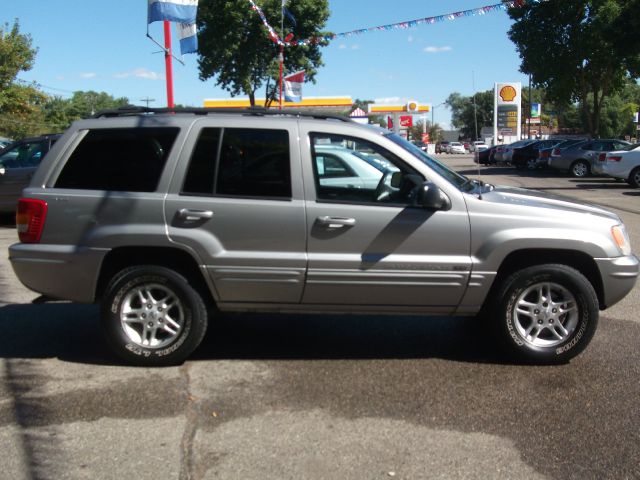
x=316 y=397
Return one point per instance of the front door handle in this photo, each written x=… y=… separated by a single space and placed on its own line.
x=336 y=222
x=191 y=215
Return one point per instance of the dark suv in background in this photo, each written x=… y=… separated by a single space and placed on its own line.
x=18 y=162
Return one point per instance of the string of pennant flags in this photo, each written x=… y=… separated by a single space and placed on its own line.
x=274 y=37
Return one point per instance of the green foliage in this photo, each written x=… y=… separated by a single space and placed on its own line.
x=435 y=131
x=470 y=114
x=16 y=54
x=234 y=47
x=578 y=51
x=19 y=103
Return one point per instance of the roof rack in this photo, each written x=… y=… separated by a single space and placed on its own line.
x=130 y=110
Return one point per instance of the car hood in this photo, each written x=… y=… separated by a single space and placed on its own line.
x=536 y=199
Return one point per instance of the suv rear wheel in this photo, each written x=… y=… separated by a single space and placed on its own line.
x=546 y=313
x=152 y=316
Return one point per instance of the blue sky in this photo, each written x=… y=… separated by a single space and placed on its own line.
x=99 y=45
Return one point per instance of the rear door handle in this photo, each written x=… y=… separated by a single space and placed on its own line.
x=191 y=215
x=336 y=222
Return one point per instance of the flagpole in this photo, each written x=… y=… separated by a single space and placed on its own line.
x=281 y=56
x=281 y=59
x=168 y=63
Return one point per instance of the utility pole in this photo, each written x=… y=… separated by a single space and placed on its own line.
x=147 y=100
x=529 y=114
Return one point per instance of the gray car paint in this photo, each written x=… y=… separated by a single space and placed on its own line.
x=278 y=255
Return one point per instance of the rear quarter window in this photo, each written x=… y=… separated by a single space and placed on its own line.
x=124 y=159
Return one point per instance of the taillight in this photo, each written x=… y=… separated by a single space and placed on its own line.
x=614 y=158
x=544 y=154
x=602 y=157
x=30 y=218
x=556 y=152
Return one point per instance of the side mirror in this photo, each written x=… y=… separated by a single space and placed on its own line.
x=432 y=198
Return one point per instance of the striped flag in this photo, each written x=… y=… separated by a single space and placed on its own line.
x=293 y=86
x=183 y=11
x=188 y=38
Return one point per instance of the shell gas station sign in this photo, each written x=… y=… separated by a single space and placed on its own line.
x=507 y=112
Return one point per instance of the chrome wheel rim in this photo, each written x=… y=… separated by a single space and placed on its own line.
x=546 y=314
x=532 y=164
x=636 y=178
x=152 y=316
x=580 y=169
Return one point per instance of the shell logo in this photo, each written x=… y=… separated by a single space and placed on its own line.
x=507 y=93
x=412 y=106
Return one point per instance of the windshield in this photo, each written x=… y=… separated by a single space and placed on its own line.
x=460 y=181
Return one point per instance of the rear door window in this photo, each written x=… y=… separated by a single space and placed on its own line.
x=240 y=162
x=123 y=159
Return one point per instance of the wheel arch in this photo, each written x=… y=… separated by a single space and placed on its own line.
x=175 y=259
x=529 y=257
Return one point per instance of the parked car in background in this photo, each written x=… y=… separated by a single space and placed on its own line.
x=340 y=167
x=485 y=156
x=622 y=164
x=467 y=146
x=4 y=142
x=478 y=145
x=504 y=152
x=441 y=147
x=579 y=159
x=544 y=154
x=456 y=147
x=18 y=162
x=526 y=156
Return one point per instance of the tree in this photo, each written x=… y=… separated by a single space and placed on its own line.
x=470 y=114
x=235 y=49
x=576 y=50
x=59 y=113
x=84 y=104
x=19 y=103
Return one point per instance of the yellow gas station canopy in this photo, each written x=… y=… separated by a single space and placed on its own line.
x=411 y=107
x=305 y=103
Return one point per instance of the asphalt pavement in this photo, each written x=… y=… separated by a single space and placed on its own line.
x=319 y=397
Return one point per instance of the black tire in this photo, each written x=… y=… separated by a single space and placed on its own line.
x=634 y=178
x=580 y=169
x=544 y=331
x=531 y=163
x=164 y=331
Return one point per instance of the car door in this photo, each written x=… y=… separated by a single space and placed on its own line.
x=374 y=248
x=233 y=204
x=17 y=166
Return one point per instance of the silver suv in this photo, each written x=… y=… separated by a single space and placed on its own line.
x=165 y=218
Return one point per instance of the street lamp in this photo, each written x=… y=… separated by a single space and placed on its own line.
x=433 y=108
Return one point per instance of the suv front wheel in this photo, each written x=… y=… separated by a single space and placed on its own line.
x=152 y=316
x=546 y=313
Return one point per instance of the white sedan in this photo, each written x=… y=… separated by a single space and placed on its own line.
x=623 y=164
x=456 y=147
x=478 y=146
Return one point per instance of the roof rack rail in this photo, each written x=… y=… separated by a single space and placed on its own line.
x=255 y=111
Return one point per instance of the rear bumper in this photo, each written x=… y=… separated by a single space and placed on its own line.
x=619 y=276
x=59 y=271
